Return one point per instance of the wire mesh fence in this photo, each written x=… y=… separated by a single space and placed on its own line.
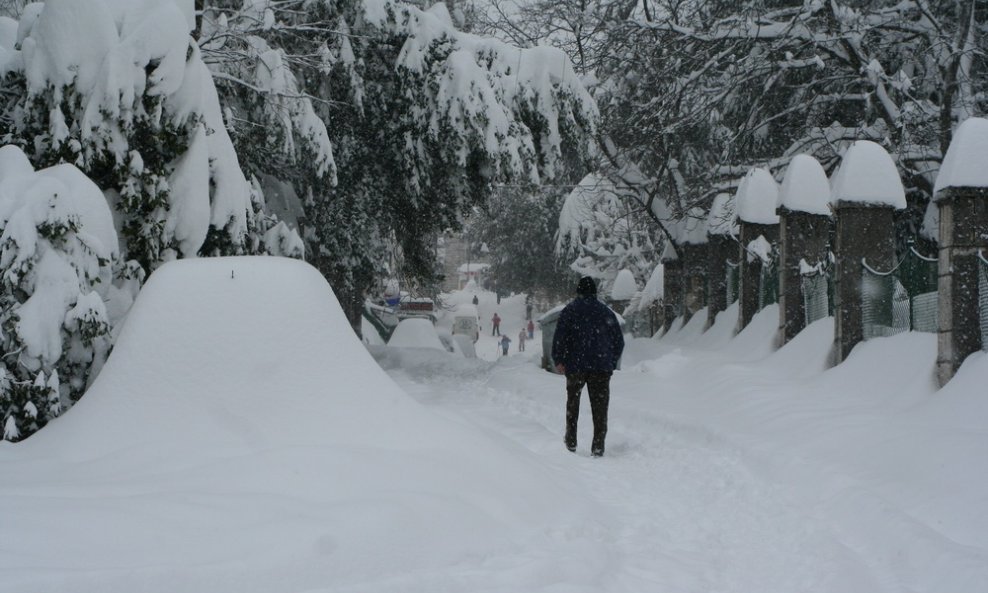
x=816 y=288
x=768 y=283
x=733 y=282
x=983 y=297
x=901 y=299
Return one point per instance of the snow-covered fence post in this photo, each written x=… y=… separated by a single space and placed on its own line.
x=866 y=192
x=693 y=255
x=961 y=193
x=722 y=245
x=804 y=231
x=672 y=286
x=757 y=198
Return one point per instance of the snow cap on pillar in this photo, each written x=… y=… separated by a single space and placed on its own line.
x=757 y=198
x=723 y=218
x=966 y=161
x=805 y=187
x=868 y=176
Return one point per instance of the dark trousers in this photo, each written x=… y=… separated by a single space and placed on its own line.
x=496 y=330
x=599 y=388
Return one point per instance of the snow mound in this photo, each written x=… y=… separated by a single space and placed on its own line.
x=805 y=187
x=416 y=333
x=757 y=197
x=964 y=163
x=240 y=438
x=867 y=175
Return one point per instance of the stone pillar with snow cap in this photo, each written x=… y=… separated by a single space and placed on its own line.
x=722 y=245
x=672 y=286
x=693 y=254
x=757 y=198
x=961 y=193
x=804 y=237
x=865 y=193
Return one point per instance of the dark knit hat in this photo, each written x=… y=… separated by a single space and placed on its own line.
x=586 y=286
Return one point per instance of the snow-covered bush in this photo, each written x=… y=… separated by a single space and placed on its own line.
x=120 y=90
x=57 y=245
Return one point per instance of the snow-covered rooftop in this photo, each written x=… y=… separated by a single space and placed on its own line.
x=472 y=267
x=624 y=286
x=757 y=198
x=966 y=161
x=654 y=288
x=723 y=218
x=668 y=252
x=805 y=187
x=867 y=175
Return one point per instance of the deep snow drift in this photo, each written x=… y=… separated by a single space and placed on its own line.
x=240 y=438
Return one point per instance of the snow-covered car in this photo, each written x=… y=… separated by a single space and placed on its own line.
x=466 y=322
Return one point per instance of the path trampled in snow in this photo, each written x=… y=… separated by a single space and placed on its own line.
x=693 y=497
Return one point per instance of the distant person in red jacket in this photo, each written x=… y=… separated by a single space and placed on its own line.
x=495 y=325
x=531 y=329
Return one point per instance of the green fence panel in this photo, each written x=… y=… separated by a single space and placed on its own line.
x=816 y=296
x=733 y=282
x=768 y=284
x=904 y=298
x=983 y=298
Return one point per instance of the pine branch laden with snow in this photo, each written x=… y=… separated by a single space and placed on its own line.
x=117 y=89
x=57 y=245
x=422 y=118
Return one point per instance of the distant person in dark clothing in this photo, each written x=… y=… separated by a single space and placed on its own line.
x=505 y=344
x=495 y=325
x=586 y=348
x=476 y=301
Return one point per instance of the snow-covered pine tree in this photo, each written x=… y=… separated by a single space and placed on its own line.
x=519 y=225
x=57 y=242
x=423 y=120
x=603 y=231
x=119 y=90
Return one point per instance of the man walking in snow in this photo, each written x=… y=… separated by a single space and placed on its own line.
x=495 y=325
x=586 y=348
x=521 y=340
x=505 y=344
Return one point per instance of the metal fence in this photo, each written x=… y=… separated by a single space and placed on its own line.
x=733 y=282
x=901 y=299
x=983 y=297
x=817 y=288
x=768 y=282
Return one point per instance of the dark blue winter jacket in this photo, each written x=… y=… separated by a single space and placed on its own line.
x=588 y=337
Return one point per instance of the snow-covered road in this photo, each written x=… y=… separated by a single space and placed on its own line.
x=732 y=468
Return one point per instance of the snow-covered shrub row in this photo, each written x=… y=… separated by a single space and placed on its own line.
x=57 y=242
